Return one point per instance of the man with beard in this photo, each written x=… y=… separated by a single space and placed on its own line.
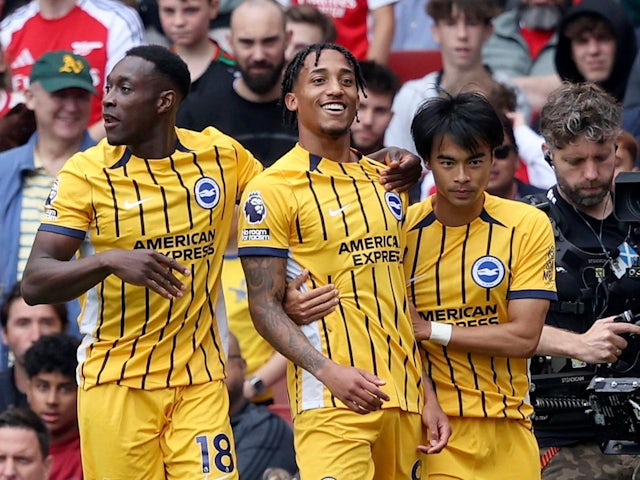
x=580 y=124
x=523 y=46
x=246 y=107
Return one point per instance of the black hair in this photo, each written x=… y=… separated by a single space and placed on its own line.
x=52 y=354
x=467 y=118
x=507 y=127
x=167 y=64
x=15 y=293
x=26 y=419
x=379 y=78
x=295 y=65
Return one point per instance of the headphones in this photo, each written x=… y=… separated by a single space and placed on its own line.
x=548 y=159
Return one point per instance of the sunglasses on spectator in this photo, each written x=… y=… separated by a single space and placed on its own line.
x=503 y=151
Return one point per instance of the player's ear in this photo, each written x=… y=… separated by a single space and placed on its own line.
x=166 y=100
x=291 y=102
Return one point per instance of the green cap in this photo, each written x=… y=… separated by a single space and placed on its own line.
x=61 y=69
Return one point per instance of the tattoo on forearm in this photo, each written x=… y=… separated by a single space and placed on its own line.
x=266 y=286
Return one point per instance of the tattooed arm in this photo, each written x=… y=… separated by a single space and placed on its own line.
x=266 y=286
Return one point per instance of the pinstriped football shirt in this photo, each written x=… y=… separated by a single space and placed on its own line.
x=336 y=220
x=466 y=276
x=181 y=206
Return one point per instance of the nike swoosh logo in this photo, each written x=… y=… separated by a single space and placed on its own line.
x=128 y=204
x=333 y=213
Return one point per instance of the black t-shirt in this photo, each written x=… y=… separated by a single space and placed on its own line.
x=585 y=283
x=259 y=127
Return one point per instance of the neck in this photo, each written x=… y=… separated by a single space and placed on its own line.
x=197 y=57
x=332 y=148
x=20 y=378
x=456 y=79
x=451 y=215
x=508 y=191
x=52 y=9
x=159 y=144
x=241 y=88
x=371 y=149
x=63 y=436
x=54 y=152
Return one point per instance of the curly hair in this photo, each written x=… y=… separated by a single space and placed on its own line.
x=579 y=109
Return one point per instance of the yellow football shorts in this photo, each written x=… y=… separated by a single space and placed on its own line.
x=338 y=444
x=173 y=433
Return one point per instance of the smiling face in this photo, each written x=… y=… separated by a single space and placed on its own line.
x=63 y=114
x=325 y=96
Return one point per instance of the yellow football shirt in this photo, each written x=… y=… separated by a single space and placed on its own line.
x=466 y=276
x=336 y=220
x=181 y=206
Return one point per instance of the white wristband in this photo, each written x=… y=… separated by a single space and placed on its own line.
x=441 y=333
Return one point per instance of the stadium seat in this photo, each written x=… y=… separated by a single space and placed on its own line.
x=283 y=411
x=410 y=64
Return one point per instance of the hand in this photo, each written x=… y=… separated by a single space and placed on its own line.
x=438 y=427
x=517 y=119
x=147 y=268
x=405 y=169
x=307 y=307
x=421 y=327
x=357 y=389
x=602 y=343
x=248 y=391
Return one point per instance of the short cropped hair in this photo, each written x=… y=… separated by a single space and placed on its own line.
x=467 y=118
x=15 y=293
x=26 y=419
x=167 y=64
x=476 y=10
x=379 y=78
x=52 y=354
x=576 y=109
x=309 y=14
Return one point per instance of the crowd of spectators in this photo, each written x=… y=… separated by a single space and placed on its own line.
x=55 y=59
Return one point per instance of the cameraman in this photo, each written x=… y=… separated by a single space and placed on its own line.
x=580 y=123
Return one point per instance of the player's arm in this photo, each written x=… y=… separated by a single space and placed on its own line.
x=382 y=36
x=266 y=285
x=434 y=419
x=269 y=373
x=404 y=168
x=516 y=338
x=602 y=343
x=51 y=277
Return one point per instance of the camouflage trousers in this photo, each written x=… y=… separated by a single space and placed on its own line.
x=586 y=462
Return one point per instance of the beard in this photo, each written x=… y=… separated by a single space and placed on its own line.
x=262 y=83
x=540 y=17
x=577 y=198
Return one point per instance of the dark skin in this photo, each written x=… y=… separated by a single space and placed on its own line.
x=139 y=110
